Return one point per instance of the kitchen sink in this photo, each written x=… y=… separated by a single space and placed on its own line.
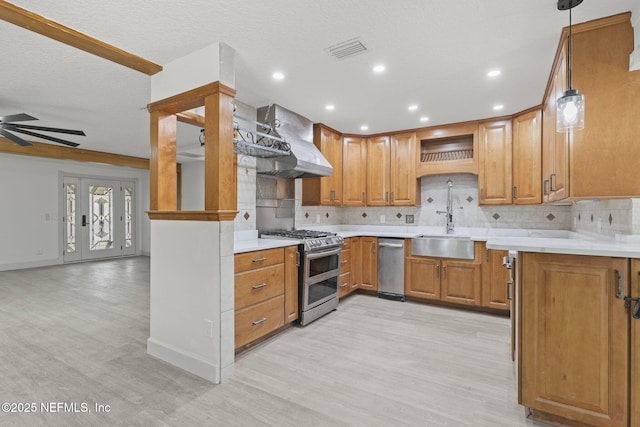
x=443 y=246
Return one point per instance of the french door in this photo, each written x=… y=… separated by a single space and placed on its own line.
x=98 y=218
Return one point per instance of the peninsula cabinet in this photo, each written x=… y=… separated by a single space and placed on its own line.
x=527 y=158
x=266 y=292
x=495 y=278
x=574 y=341
x=325 y=190
x=354 y=171
x=369 y=254
x=494 y=163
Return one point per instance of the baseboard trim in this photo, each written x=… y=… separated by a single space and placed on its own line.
x=30 y=264
x=183 y=360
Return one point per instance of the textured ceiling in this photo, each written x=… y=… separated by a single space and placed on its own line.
x=437 y=54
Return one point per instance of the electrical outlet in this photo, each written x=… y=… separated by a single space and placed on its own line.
x=318 y=219
x=382 y=219
x=408 y=219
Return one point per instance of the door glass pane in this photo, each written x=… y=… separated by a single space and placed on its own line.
x=128 y=217
x=71 y=218
x=100 y=218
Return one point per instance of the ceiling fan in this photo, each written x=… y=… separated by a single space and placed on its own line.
x=7 y=126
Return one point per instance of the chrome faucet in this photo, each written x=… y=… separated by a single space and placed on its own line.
x=449 y=211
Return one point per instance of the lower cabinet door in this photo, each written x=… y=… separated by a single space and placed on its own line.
x=575 y=338
x=422 y=278
x=344 y=284
x=258 y=320
x=461 y=282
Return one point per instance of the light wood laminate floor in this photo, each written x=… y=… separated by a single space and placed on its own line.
x=77 y=334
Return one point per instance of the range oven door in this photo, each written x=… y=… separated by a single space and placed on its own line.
x=320 y=280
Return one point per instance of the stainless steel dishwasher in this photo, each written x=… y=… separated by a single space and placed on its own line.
x=391 y=269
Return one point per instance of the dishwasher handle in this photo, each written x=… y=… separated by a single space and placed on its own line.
x=391 y=245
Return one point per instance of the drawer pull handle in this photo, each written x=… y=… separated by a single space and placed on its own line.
x=259 y=259
x=344 y=261
x=261 y=285
x=259 y=322
x=343 y=285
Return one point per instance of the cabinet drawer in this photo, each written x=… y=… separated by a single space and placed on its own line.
x=258 y=259
x=254 y=286
x=345 y=261
x=344 y=284
x=257 y=320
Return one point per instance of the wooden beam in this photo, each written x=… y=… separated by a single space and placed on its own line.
x=191 y=118
x=39 y=149
x=54 y=30
x=162 y=165
x=190 y=99
x=220 y=171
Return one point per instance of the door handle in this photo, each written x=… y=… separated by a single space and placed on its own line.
x=444 y=272
x=261 y=285
x=545 y=192
x=619 y=294
x=513 y=192
x=551 y=182
x=84 y=220
x=509 y=295
x=437 y=271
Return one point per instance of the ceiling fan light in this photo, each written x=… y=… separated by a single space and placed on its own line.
x=570 y=111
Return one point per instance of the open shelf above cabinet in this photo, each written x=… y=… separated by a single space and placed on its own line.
x=449 y=149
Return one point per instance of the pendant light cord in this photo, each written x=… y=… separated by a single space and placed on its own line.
x=570 y=43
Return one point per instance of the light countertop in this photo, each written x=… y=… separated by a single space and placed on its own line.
x=521 y=240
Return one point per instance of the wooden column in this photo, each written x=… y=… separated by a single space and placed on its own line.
x=162 y=164
x=220 y=173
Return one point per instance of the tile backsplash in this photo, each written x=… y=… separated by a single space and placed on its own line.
x=606 y=217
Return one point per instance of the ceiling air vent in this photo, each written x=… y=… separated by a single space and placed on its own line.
x=347 y=48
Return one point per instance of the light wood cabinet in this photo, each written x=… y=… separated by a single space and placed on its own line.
x=266 y=292
x=495 y=164
x=345 y=281
x=494 y=281
x=635 y=347
x=354 y=171
x=356 y=262
x=405 y=187
x=325 y=190
x=378 y=179
x=447 y=149
x=291 y=265
x=555 y=145
x=452 y=280
x=574 y=342
x=369 y=256
x=527 y=158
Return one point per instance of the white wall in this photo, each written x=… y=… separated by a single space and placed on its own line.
x=30 y=231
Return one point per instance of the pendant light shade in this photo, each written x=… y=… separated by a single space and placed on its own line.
x=570 y=106
x=570 y=111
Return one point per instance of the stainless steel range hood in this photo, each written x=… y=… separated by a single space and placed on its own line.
x=305 y=160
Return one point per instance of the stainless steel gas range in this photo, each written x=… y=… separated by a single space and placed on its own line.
x=319 y=270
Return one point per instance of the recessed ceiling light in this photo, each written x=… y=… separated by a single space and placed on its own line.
x=413 y=107
x=424 y=119
x=379 y=68
x=498 y=107
x=364 y=127
x=330 y=107
x=494 y=73
x=277 y=75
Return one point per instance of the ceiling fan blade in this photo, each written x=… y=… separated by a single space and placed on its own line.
x=14 y=138
x=47 y=137
x=69 y=131
x=16 y=118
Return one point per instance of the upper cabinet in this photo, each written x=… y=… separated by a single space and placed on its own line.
x=405 y=188
x=600 y=160
x=448 y=149
x=326 y=190
x=354 y=174
x=494 y=169
x=527 y=158
x=555 y=145
x=378 y=158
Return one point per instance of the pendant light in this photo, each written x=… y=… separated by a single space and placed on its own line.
x=570 y=106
